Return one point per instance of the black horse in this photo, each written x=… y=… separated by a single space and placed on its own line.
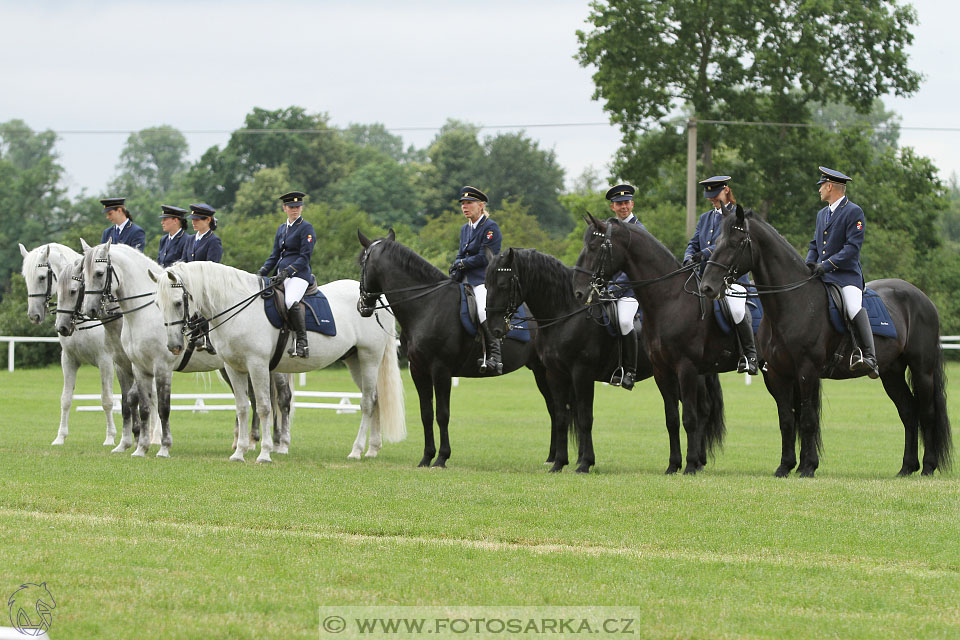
x=682 y=341
x=426 y=303
x=799 y=347
x=577 y=349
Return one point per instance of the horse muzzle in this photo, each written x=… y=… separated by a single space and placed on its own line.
x=364 y=310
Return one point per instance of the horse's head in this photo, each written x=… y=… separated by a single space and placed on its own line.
x=504 y=295
x=174 y=302
x=599 y=259
x=69 y=297
x=370 y=285
x=732 y=257
x=39 y=276
x=98 y=279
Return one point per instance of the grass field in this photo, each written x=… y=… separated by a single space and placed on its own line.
x=196 y=546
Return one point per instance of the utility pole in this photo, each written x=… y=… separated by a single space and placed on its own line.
x=691 y=176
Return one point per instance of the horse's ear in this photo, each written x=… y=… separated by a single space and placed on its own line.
x=591 y=220
x=84 y=245
x=45 y=254
x=739 y=214
x=364 y=240
x=490 y=255
x=172 y=277
x=153 y=276
x=508 y=257
x=23 y=250
x=391 y=236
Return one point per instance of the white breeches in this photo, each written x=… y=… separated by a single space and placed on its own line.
x=293 y=289
x=852 y=300
x=626 y=310
x=480 y=291
x=737 y=303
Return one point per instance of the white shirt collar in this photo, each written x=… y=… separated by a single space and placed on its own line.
x=122 y=225
x=836 y=203
x=200 y=235
x=474 y=225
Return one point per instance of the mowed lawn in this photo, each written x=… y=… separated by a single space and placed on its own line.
x=196 y=546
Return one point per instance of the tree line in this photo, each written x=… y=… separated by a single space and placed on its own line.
x=656 y=65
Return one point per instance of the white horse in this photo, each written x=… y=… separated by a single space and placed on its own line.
x=247 y=341
x=122 y=274
x=41 y=269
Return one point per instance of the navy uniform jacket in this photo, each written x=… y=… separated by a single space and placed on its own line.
x=132 y=236
x=171 y=249
x=471 y=262
x=616 y=289
x=837 y=242
x=292 y=248
x=209 y=248
x=705 y=238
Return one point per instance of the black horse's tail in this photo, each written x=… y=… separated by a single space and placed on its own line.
x=714 y=425
x=934 y=421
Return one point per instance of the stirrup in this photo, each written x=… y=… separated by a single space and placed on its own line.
x=743 y=366
x=490 y=367
x=616 y=378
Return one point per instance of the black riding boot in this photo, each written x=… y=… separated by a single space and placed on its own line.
x=628 y=349
x=748 y=348
x=864 y=334
x=298 y=322
x=204 y=344
x=492 y=366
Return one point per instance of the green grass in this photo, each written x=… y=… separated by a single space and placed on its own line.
x=196 y=546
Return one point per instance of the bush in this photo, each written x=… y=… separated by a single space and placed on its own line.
x=14 y=322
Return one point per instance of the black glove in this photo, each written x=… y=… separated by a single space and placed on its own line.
x=687 y=262
x=261 y=272
x=454 y=268
x=816 y=268
x=698 y=257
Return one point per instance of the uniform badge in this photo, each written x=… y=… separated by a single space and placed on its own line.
x=489 y=234
x=859 y=225
x=309 y=238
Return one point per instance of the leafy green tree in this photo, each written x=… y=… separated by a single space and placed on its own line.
x=456 y=159
x=260 y=195
x=376 y=138
x=517 y=169
x=384 y=189
x=153 y=160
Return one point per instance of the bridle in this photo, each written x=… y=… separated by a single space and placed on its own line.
x=369 y=301
x=598 y=277
x=51 y=276
x=514 y=295
x=733 y=271
x=75 y=312
x=106 y=293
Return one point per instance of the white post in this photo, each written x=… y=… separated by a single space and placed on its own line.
x=10 y=355
x=691 y=176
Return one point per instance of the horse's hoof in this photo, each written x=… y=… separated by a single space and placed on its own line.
x=806 y=474
x=356 y=455
x=264 y=458
x=59 y=441
x=372 y=453
x=583 y=469
x=557 y=468
x=284 y=449
x=781 y=472
x=927 y=472
x=237 y=458
x=139 y=453
x=672 y=469
x=691 y=470
x=439 y=464
x=109 y=442
x=163 y=453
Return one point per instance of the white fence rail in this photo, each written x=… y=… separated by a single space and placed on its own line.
x=199 y=401
x=13 y=340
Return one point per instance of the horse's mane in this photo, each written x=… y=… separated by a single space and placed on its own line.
x=411 y=263
x=641 y=231
x=541 y=272
x=213 y=285
x=764 y=226
x=67 y=254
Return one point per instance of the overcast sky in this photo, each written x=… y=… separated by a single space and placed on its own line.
x=201 y=66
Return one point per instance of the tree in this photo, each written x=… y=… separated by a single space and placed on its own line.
x=153 y=160
x=384 y=189
x=260 y=195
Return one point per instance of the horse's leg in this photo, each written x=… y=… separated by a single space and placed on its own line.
x=561 y=418
x=260 y=377
x=540 y=376
x=424 y=385
x=667 y=383
x=899 y=392
x=365 y=377
x=148 y=403
x=782 y=390
x=241 y=401
x=692 y=424
x=583 y=389
x=441 y=389
x=283 y=403
x=69 y=364
x=931 y=416
x=129 y=402
x=255 y=415
x=105 y=365
x=163 y=409
x=809 y=389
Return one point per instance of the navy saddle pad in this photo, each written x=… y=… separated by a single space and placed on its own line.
x=612 y=328
x=753 y=304
x=318 y=314
x=519 y=332
x=880 y=320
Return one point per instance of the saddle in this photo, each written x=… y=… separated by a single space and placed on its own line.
x=880 y=321
x=608 y=312
x=519 y=331
x=721 y=311
x=277 y=296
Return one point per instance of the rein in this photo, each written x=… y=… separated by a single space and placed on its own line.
x=370 y=300
x=192 y=324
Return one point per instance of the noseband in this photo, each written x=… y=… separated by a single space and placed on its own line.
x=51 y=276
x=514 y=296
x=367 y=302
x=598 y=277
x=732 y=270
x=75 y=312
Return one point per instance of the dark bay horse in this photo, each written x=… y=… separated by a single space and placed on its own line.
x=682 y=342
x=576 y=348
x=798 y=342
x=426 y=303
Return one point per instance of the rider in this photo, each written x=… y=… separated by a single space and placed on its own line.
x=835 y=256
x=123 y=230
x=173 y=220
x=292 y=248
x=621 y=203
x=470 y=265
x=699 y=250
x=204 y=245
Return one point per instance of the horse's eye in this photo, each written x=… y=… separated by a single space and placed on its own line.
x=98 y=274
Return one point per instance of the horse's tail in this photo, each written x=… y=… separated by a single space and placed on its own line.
x=390 y=411
x=714 y=425
x=934 y=422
